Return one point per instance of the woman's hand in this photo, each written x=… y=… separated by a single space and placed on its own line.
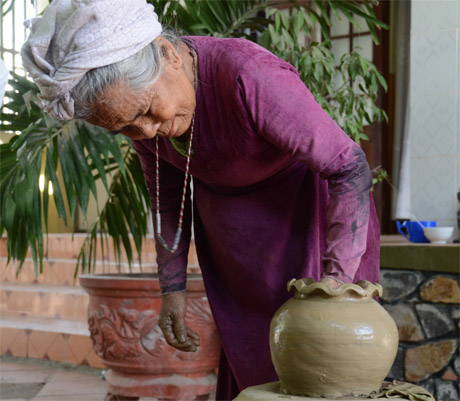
x=172 y=322
x=331 y=282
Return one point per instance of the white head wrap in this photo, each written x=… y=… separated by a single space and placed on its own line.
x=75 y=36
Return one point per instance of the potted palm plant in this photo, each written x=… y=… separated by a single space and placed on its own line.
x=74 y=156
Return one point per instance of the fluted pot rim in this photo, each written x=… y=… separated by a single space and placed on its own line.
x=309 y=286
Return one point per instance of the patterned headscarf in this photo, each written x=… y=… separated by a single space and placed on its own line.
x=75 y=36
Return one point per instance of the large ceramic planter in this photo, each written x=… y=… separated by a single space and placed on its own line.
x=332 y=342
x=123 y=321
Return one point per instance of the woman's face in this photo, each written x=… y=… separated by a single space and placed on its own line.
x=165 y=108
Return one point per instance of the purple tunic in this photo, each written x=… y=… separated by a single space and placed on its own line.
x=280 y=192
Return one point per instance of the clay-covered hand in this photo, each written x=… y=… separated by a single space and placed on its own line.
x=331 y=282
x=172 y=322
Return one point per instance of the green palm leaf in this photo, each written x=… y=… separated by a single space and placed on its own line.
x=77 y=151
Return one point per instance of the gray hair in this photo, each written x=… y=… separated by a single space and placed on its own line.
x=136 y=72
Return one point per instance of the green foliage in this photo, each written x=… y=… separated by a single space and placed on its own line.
x=380 y=175
x=73 y=156
x=347 y=88
x=214 y=18
x=82 y=154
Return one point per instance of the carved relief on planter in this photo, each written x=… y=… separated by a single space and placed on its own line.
x=123 y=336
x=123 y=317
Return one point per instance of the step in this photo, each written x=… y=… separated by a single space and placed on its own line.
x=48 y=301
x=55 y=339
x=61 y=271
x=67 y=246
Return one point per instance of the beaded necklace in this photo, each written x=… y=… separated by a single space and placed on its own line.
x=184 y=191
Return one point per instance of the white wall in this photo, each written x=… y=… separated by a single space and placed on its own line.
x=435 y=110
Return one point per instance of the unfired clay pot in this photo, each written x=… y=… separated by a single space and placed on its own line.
x=123 y=321
x=332 y=342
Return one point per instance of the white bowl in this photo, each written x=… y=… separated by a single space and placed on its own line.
x=438 y=235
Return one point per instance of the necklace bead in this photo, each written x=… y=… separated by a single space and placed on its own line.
x=178 y=234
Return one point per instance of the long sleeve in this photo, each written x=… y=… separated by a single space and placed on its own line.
x=285 y=113
x=172 y=267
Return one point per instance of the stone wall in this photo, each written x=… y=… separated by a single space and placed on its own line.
x=425 y=307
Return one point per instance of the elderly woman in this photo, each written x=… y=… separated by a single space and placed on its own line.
x=280 y=191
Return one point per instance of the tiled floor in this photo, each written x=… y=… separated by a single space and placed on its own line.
x=46 y=338
x=28 y=379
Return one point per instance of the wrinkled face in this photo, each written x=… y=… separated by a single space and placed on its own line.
x=165 y=108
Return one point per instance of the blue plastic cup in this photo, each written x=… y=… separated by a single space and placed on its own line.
x=413 y=231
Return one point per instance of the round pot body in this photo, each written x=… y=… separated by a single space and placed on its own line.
x=123 y=317
x=332 y=342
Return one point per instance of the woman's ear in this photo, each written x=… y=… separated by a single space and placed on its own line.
x=168 y=52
